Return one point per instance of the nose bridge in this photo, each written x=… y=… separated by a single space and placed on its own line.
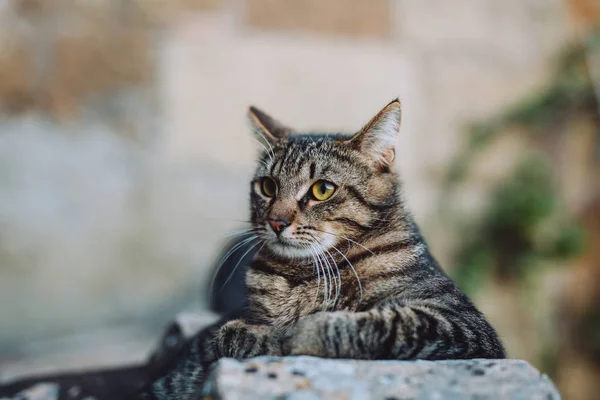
x=284 y=209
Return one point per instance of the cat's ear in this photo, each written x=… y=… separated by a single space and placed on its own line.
x=377 y=139
x=267 y=128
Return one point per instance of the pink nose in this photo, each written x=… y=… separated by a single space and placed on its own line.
x=278 y=225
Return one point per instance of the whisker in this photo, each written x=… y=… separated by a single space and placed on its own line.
x=330 y=273
x=227 y=219
x=333 y=277
x=264 y=163
x=272 y=153
x=240 y=260
x=241 y=232
x=339 y=288
x=350 y=265
x=235 y=248
x=264 y=148
x=353 y=270
x=348 y=239
x=329 y=279
x=308 y=246
x=326 y=283
x=338 y=281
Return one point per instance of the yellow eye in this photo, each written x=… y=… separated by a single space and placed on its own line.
x=322 y=190
x=268 y=187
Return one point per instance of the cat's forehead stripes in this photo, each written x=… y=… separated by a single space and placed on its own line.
x=310 y=157
x=297 y=154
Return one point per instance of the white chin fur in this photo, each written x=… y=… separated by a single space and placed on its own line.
x=290 y=251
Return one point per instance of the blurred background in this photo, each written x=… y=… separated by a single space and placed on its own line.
x=125 y=157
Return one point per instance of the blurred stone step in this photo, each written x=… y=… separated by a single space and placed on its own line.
x=308 y=378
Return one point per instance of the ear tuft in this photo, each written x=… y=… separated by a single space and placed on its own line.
x=267 y=128
x=377 y=139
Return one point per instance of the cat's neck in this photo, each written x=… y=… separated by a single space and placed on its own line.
x=282 y=290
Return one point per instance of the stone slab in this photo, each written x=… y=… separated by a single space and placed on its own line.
x=304 y=378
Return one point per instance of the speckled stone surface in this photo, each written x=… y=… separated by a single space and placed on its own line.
x=309 y=378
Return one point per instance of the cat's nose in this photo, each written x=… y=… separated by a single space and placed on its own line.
x=278 y=225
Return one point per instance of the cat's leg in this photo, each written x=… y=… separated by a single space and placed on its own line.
x=187 y=375
x=238 y=339
x=424 y=331
x=234 y=338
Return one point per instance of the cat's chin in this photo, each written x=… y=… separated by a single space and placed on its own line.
x=289 y=250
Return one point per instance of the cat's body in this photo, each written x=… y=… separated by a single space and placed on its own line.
x=342 y=270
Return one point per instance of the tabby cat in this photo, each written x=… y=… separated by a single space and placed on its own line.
x=341 y=269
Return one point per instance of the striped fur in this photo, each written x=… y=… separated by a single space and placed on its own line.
x=350 y=277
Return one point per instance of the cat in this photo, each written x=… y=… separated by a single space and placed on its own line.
x=341 y=269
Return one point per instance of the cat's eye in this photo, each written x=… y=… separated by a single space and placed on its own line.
x=268 y=187
x=322 y=190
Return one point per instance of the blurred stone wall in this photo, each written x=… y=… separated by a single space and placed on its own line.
x=124 y=151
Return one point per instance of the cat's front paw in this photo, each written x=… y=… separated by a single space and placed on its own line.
x=237 y=339
x=311 y=336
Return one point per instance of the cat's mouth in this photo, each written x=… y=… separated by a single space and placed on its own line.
x=289 y=250
x=296 y=241
x=293 y=247
x=290 y=247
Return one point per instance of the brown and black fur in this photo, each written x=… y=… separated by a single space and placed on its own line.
x=348 y=277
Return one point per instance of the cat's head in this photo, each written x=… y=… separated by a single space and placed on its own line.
x=313 y=193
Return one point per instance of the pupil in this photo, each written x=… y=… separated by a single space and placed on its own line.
x=269 y=186
x=323 y=188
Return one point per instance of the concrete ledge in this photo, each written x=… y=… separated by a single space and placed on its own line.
x=308 y=378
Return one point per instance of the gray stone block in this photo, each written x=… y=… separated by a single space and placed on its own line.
x=310 y=378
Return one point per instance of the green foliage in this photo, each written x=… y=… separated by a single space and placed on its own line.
x=569 y=92
x=523 y=224
x=524 y=200
x=518 y=229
